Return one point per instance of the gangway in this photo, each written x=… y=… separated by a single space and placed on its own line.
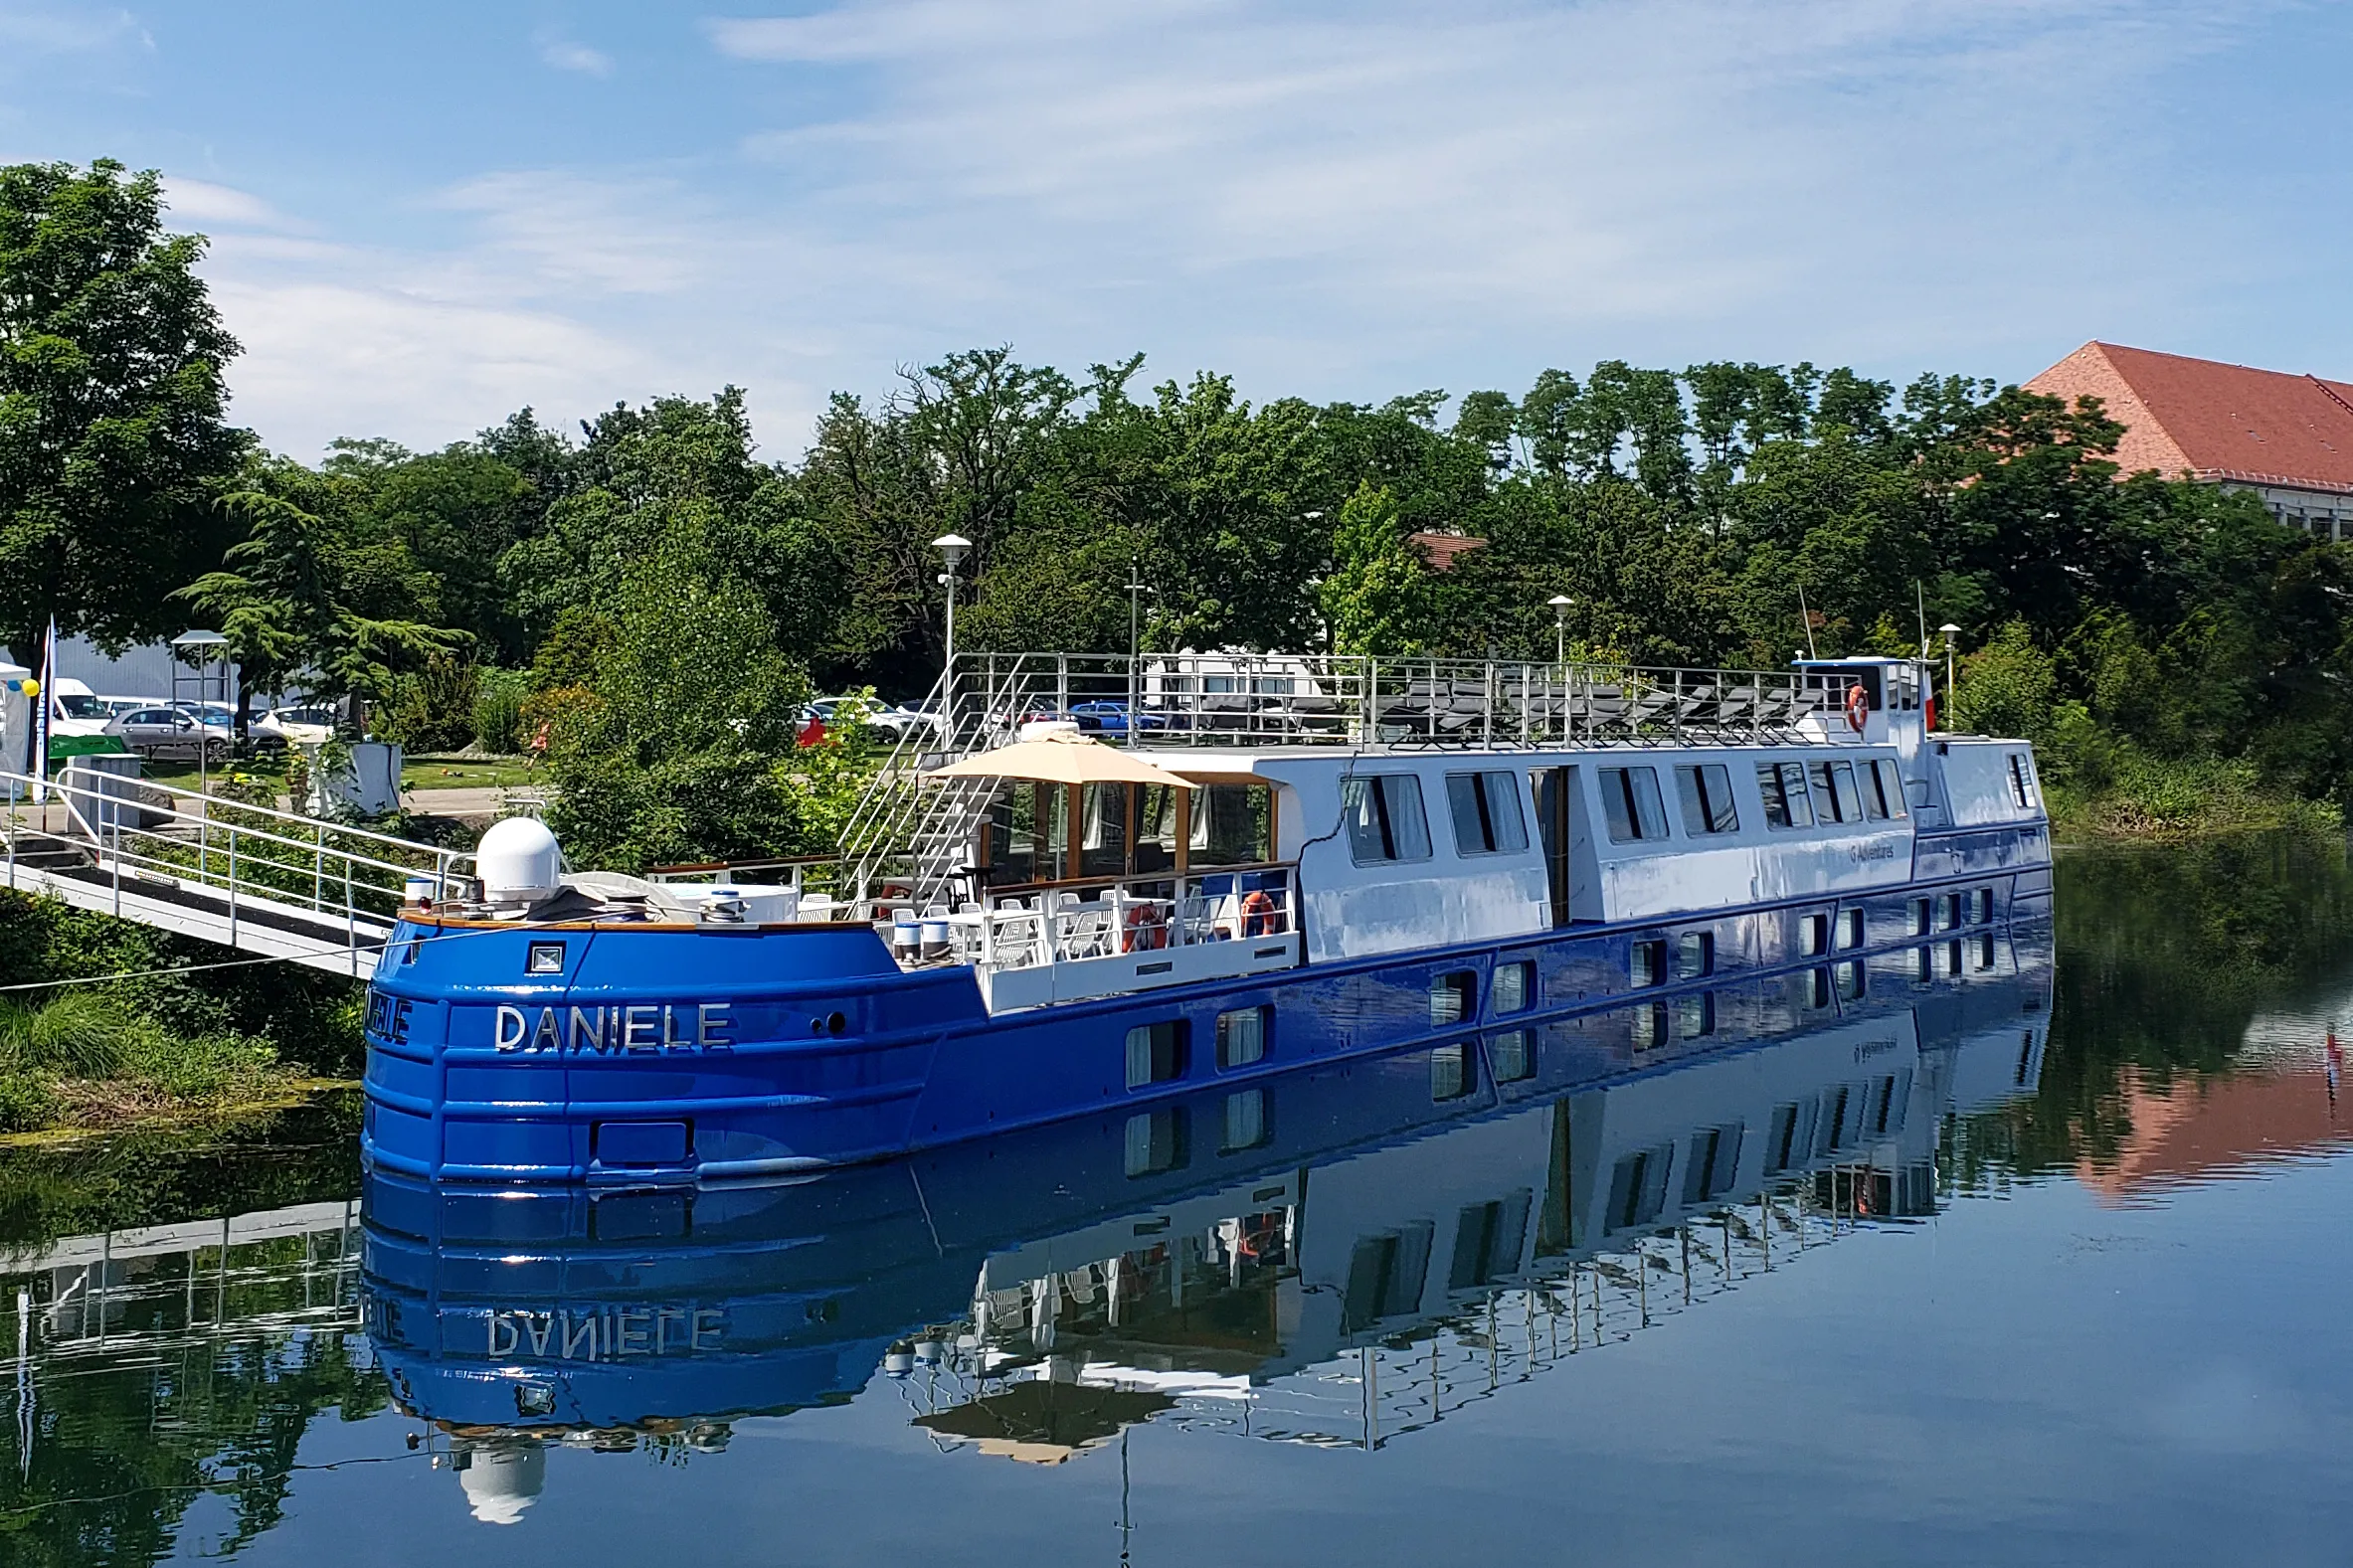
x=264 y=881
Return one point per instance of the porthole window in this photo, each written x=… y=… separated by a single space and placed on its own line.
x=1514 y=986
x=1155 y=1053
x=1241 y=1037
x=1452 y=998
x=1695 y=956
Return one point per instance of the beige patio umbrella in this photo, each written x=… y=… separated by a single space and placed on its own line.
x=1061 y=756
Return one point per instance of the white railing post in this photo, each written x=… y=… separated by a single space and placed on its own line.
x=233 y=885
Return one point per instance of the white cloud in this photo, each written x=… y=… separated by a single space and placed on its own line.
x=568 y=55
x=54 y=30
x=1333 y=200
x=202 y=202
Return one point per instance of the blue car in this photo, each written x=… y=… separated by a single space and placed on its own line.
x=1110 y=716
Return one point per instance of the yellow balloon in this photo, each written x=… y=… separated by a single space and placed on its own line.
x=32 y=688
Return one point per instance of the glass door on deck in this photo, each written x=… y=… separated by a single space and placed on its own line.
x=1552 y=787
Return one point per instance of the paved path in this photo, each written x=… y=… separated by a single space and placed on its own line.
x=472 y=802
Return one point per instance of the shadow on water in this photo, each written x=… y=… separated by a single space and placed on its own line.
x=1359 y=1249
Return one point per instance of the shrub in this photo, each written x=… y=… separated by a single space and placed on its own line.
x=498 y=710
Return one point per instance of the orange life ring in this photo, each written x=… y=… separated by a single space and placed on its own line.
x=1858 y=707
x=1147 y=928
x=1260 y=917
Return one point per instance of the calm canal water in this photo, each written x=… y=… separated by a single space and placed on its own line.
x=2044 y=1262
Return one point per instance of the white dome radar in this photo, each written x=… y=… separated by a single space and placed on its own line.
x=518 y=861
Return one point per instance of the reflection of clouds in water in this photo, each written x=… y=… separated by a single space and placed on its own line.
x=502 y=1477
x=2226 y=1409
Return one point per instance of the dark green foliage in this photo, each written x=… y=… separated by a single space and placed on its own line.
x=112 y=430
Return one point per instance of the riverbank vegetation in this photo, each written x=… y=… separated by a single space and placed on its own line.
x=159 y=1046
x=646 y=598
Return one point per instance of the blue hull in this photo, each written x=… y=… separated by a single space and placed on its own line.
x=630 y=1306
x=656 y=1056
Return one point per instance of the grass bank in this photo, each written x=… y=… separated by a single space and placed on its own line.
x=109 y=1024
x=2151 y=800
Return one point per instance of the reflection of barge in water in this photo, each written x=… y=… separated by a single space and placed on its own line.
x=1327 y=868
x=1333 y=1261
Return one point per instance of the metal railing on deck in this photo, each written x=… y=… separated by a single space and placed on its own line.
x=255 y=861
x=1180 y=699
x=1021 y=927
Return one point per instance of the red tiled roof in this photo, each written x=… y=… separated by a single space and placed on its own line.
x=1439 y=550
x=2215 y=421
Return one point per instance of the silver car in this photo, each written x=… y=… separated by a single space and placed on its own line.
x=167 y=732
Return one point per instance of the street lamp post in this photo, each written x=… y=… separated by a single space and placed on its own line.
x=197 y=648
x=1560 y=604
x=1952 y=634
x=952 y=548
x=1137 y=588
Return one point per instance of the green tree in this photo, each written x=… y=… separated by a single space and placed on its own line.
x=1377 y=598
x=112 y=435
x=300 y=595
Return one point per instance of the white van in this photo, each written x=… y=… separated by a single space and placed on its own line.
x=74 y=710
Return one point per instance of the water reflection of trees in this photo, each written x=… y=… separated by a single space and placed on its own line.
x=155 y=1379
x=264 y=1162
x=2165 y=955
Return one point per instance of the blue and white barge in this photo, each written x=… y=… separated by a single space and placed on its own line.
x=1292 y=861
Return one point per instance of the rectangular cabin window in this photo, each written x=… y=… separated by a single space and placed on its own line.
x=1882 y=791
x=1833 y=787
x=1155 y=1053
x=1451 y=1073
x=1985 y=951
x=1818 y=987
x=1647 y=965
x=1488 y=819
x=1156 y=1142
x=1514 y=986
x=1513 y=1053
x=1695 y=956
x=1949 y=910
x=2020 y=792
x=1630 y=799
x=1851 y=930
x=1919 y=917
x=1985 y=906
x=1783 y=785
x=1234 y=826
x=1705 y=791
x=1952 y=957
x=1241 y=1037
x=1452 y=998
x=1385 y=818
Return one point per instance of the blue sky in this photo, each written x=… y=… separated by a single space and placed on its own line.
x=424 y=216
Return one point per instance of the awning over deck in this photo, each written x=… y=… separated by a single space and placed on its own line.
x=1063 y=758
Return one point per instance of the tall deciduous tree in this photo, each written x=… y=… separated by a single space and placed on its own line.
x=112 y=428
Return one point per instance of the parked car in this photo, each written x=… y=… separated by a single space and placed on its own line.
x=883 y=718
x=73 y=710
x=167 y=732
x=1110 y=715
x=284 y=727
